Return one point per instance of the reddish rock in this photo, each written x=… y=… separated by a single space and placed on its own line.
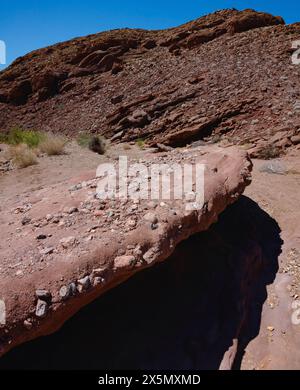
x=250 y=20
x=118 y=254
x=106 y=63
x=149 y=44
x=19 y=93
x=295 y=139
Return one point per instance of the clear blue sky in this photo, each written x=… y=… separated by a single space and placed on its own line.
x=32 y=24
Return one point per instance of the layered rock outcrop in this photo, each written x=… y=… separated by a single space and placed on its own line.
x=227 y=75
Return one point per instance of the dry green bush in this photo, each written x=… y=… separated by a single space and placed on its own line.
x=97 y=144
x=22 y=156
x=269 y=152
x=53 y=145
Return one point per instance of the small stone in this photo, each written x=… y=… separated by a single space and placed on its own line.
x=28 y=324
x=2 y=313
x=26 y=220
x=68 y=242
x=72 y=210
x=99 y=271
x=123 y=262
x=75 y=187
x=154 y=226
x=41 y=237
x=97 y=280
x=73 y=288
x=110 y=213
x=151 y=217
x=149 y=256
x=131 y=222
x=271 y=328
x=84 y=284
x=65 y=292
x=44 y=295
x=47 y=251
x=41 y=308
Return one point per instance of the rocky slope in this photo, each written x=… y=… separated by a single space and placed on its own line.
x=227 y=74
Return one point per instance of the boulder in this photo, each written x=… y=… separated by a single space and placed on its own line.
x=203 y=37
x=118 y=251
x=46 y=84
x=295 y=139
x=20 y=92
x=106 y=63
x=92 y=59
x=251 y=19
x=149 y=44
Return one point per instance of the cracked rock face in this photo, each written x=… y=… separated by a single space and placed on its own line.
x=105 y=250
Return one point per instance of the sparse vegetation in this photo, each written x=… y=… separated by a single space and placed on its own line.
x=3 y=138
x=97 y=144
x=140 y=143
x=84 y=139
x=18 y=135
x=269 y=152
x=53 y=145
x=22 y=156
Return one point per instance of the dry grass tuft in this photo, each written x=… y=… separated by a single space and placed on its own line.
x=53 y=145
x=22 y=156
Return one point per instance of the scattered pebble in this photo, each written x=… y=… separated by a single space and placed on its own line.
x=151 y=217
x=41 y=308
x=68 y=242
x=83 y=284
x=44 y=295
x=47 y=251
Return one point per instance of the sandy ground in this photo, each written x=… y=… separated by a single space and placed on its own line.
x=278 y=344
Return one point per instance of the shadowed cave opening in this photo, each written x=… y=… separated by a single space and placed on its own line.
x=181 y=314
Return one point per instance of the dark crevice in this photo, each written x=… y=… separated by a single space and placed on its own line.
x=181 y=314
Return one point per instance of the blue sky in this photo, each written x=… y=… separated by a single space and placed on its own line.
x=31 y=24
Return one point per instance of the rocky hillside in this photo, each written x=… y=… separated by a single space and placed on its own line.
x=228 y=75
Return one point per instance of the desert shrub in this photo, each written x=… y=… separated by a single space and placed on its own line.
x=3 y=138
x=84 y=140
x=269 y=152
x=53 y=145
x=97 y=144
x=31 y=138
x=140 y=143
x=22 y=156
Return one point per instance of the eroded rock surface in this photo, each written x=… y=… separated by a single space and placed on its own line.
x=74 y=246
